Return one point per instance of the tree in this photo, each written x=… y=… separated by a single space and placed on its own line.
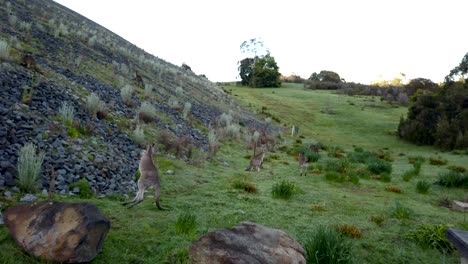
x=266 y=73
x=460 y=70
x=246 y=67
x=260 y=70
x=326 y=76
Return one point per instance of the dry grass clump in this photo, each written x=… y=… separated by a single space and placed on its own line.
x=350 y=230
x=393 y=188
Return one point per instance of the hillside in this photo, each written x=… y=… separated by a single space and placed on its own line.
x=73 y=58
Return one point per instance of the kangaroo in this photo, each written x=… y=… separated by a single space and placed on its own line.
x=303 y=163
x=257 y=161
x=149 y=177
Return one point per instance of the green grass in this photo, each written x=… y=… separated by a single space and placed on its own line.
x=208 y=191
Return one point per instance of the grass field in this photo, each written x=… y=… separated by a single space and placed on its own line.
x=146 y=235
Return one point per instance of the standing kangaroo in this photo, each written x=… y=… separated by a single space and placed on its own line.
x=149 y=177
x=257 y=161
x=303 y=163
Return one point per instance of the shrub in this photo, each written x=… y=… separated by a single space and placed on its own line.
x=359 y=156
x=29 y=167
x=85 y=190
x=422 y=187
x=437 y=161
x=338 y=177
x=284 y=190
x=378 y=166
x=186 y=223
x=453 y=179
x=4 y=51
x=377 y=219
x=66 y=112
x=350 y=230
x=146 y=112
x=416 y=159
x=455 y=168
x=326 y=245
x=213 y=144
x=94 y=104
x=187 y=107
x=432 y=236
x=401 y=212
x=340 y=165
x=126 y=94
x=394 y=189
x=242 y=182
x=139 y=135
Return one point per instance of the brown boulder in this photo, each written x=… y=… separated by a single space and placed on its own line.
x=247 y=243
x=57 y=231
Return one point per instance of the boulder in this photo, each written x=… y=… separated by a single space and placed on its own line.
x=247 y=243
x=58 y=231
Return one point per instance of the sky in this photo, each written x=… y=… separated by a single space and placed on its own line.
x=361 y=40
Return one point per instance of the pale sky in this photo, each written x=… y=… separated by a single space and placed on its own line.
x=361 y=40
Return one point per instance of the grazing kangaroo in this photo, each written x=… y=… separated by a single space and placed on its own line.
x=303 y=163
x=149 y=177
x=257 y=161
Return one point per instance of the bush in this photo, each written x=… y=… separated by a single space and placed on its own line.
x=377 y=219
x=394 y=189
x=455 y=168
x=186 y=223
x=29 y=167
x=126 y=94
x=337 y=177
x=284 y=190
x=422 y=187
x=401 y=212
x=146 y=112
x=437 y=161
x=242 y=182
x=66 y=112
x=359 y=156
x=85 y=190
x=326 y=245
x=378 y=166
x=340 y=165
x=4 y=50
x=453 y=179
x=139 y=135
x=94 y=104
x=350 y=230
x=432 y=236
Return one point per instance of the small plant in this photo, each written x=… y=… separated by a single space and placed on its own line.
x=401 y=212
x=340 y=165
x=72 y=132
x=377 y=219
x=438 y=161
x=408 y=175
x=416 y=159
x=66 y=112
x=4 y=51
x=29 y=167
x=318 y=208
x=341 y=178
x=139 y=135
x=186 y=223
x=385 y=177
x=284 y=190
x=146 y=112
x=394 y=189
x=455 y=168
x=126 y=94
x=94 y=104
x=326 y=245
x=378 y=166
x=85 y=189
x=422 y=187
x=213 y=144
x=187 y=108
x=350 y=230
x=453 y=179
x=432 y=236
x=242 y=182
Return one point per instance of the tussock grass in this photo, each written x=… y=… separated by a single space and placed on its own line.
x=326 y=245
x=29 y=167
x=66 y=112
x=186 y=223
x=422 y=187
x=4 y=51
